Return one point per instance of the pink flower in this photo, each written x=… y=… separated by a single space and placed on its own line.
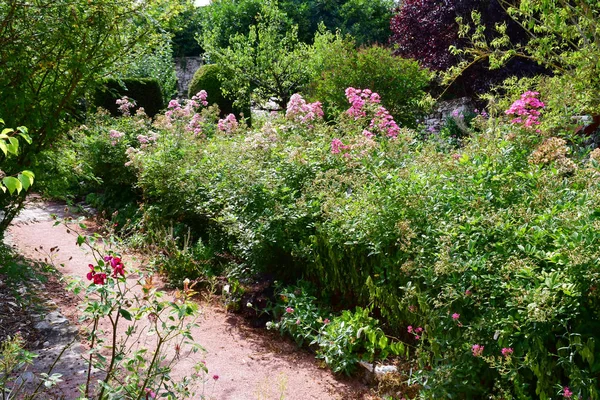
x=300 y=111
x=289 y=310
x=228 y=125
x=567 y=394
x=298 y=321
x=143 y=139
x=526 y=110
x=455 y=316
x=125 y=105
x=419 y=330
x=468 y=292
x=201 y=96
x=116 y=134
x=410 y=329
x=477 y=350
x=326 y=321
x=337 y=146
x=215 y=377
x=507 y=351
x=174 y=104
x=150 y=394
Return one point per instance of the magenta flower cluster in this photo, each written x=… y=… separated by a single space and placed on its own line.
x=477 y=350
x=358 y=99
x=507 y=351
x=299 y=110
x=228 y=125
x=116 y=264
x=125 y=105
x=337 y=146
x=363 y=101
x=415 y=331
x=189 y=110
x=567 y=393
x=97 y=278
x=526 y=110
x=200 y=97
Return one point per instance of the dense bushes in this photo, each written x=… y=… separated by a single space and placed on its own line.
x=486 y=256
x=146 y=92
x=337 y=65
x=207 y=78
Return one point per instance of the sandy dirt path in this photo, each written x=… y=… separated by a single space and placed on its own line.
x=250 y=363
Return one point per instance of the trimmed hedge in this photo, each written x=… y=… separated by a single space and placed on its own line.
x=146 y=92
x=207 y=78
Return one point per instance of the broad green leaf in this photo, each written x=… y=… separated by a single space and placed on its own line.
x=125 y=314
x=12 y=184
x=3 y=147
x=5 y=132
x=13 y=146
x=30 y=175
x=24 y=134
x=25 y=180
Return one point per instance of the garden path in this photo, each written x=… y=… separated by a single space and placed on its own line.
x=250 y=363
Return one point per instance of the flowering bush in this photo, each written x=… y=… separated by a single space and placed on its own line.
x=298 y=110
x=526 y=110
x=489 y=256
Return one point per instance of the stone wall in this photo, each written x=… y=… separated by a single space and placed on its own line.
x=444 y=109
x=185 y=67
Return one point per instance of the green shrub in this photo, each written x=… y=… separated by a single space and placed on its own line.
x=146 y=92
x=487 y=257
x=207 y=78
x=338 y=65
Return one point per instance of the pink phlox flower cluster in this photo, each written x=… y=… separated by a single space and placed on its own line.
x=477 y=350
x=98 y=278
x=300 y=111
x=385 y=123
x=116 y=134
x=125 y=105
x=455 y=316
x=228 y=125
x=289 y=310
x=145 y=139
x=116 y=264
x=194 y=125
x=567 y=393
x=337 y=146
x=358 y=98
x=174 y=105
x=363 y=101
x=526 y=110
x=201 y=97
x=507 y=351
x=415 y=331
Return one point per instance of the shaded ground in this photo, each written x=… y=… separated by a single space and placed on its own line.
x=251 y=363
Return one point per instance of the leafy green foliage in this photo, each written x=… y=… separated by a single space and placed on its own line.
x=155 y=63
x=341 y=340
x=367 y=21
x=9 y=145
x=268 y=62
x=337 y=65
